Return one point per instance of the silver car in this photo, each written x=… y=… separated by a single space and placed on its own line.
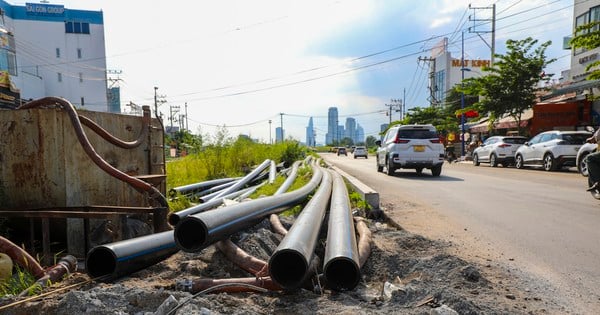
x=410 y=147
x=498 y=150
x=360 y=152
x=551 y=149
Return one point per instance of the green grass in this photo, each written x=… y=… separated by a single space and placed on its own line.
x=20 y=281
x=227 y=158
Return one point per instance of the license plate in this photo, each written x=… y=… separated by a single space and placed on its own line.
x=419 y=148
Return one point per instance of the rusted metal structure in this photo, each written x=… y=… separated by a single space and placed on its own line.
x=49 y=178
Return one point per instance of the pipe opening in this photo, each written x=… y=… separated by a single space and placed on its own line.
x=288 y=268
x=101 y=261
x=342 y=274
x=191 y=234
x=173 y=219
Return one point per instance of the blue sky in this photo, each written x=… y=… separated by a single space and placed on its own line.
x=242 y=63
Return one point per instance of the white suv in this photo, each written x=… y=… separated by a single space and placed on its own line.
x=551 y=149
x=412 y=147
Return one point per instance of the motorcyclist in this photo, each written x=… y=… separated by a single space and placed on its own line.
x=593 y=164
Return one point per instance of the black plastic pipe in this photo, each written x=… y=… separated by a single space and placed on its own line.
x=208 y=193
x=117 y=259
x=289 y=265
x=341 y=263
x=191 y=188
x=245 y=180
x=196 y=232
x=175 y=217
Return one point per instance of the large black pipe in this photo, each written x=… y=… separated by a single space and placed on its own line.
x=191 y=188
x=289 y=265
x=208 y=193
x=175 y=217
x=341 y=263
x=114 y=260
x=196 y=232
x=246 y=179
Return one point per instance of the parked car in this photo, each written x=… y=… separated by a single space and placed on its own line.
x=498 y=150
x=342 y=150
x=583 y=152
x=551 y=149
x=410 y=147
x=360 y=152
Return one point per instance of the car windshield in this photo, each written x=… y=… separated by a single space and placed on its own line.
x=514 y=140
x=416 y=134
x=575 y=138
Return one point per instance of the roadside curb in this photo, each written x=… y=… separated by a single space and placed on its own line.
x=366 y=192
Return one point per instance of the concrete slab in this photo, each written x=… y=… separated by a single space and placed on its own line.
x=366 y=192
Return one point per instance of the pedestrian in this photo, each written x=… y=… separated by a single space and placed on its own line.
x=593 y=164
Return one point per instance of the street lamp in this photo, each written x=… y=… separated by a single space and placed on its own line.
x=462 y=99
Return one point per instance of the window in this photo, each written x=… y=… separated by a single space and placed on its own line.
x=59 y=76
x=77 y=27
x=80 y=77
x=579 y=21
x=57 y=52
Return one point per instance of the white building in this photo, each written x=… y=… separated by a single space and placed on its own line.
x=446 y=71
x=59 y=52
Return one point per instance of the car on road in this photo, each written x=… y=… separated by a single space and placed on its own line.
x=582 y=154
x=342 y=150
x=498 y=150
x=551 y=149
x=410 y=147
x=360 y=152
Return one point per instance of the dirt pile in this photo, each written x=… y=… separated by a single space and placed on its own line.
x=405 y=274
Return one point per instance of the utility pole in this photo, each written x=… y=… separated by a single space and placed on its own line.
x=187 y=127
x=432 y=86
x=270 y=137
x=282 y=136
x=462 y=97
x=403 y=110
x=173 y=110
x=158 y=100
x=396 y=105
x=493 y=29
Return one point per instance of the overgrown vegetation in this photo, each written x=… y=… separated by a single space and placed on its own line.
x=227 y=157
x=20 y=281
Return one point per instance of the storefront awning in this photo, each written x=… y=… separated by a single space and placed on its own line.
x=575 y=87
x=503 y=123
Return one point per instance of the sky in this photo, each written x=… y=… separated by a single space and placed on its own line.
x=241 y=64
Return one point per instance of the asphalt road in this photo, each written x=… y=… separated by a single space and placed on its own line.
x=541 y=222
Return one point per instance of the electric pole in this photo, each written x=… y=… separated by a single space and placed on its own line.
x=478 y=32
x=173 y=110
x=432 y=86
x=270 y=137
x=282 y=137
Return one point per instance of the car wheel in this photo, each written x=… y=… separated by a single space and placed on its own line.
x=549 y=162
x=582 y=165
x=436 y=171
x=475 y=160
x=390 y=167
x=493 y=160
x=519 y=161
x=379 y=167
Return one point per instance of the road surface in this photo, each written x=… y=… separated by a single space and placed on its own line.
x=542 y=223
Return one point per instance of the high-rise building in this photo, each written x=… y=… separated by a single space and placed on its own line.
x=332 y=126
x=350 y=130
x=310 y=133
x=57 y=51
x=360 y=134
x=278 y=135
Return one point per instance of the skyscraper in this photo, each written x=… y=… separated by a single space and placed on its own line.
x=310 y=133
x=350 y=130
x=278 y=135
x=332 y=126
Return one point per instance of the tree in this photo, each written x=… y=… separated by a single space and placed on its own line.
x=511 y=85
x=588 y=37
x=370 y=142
